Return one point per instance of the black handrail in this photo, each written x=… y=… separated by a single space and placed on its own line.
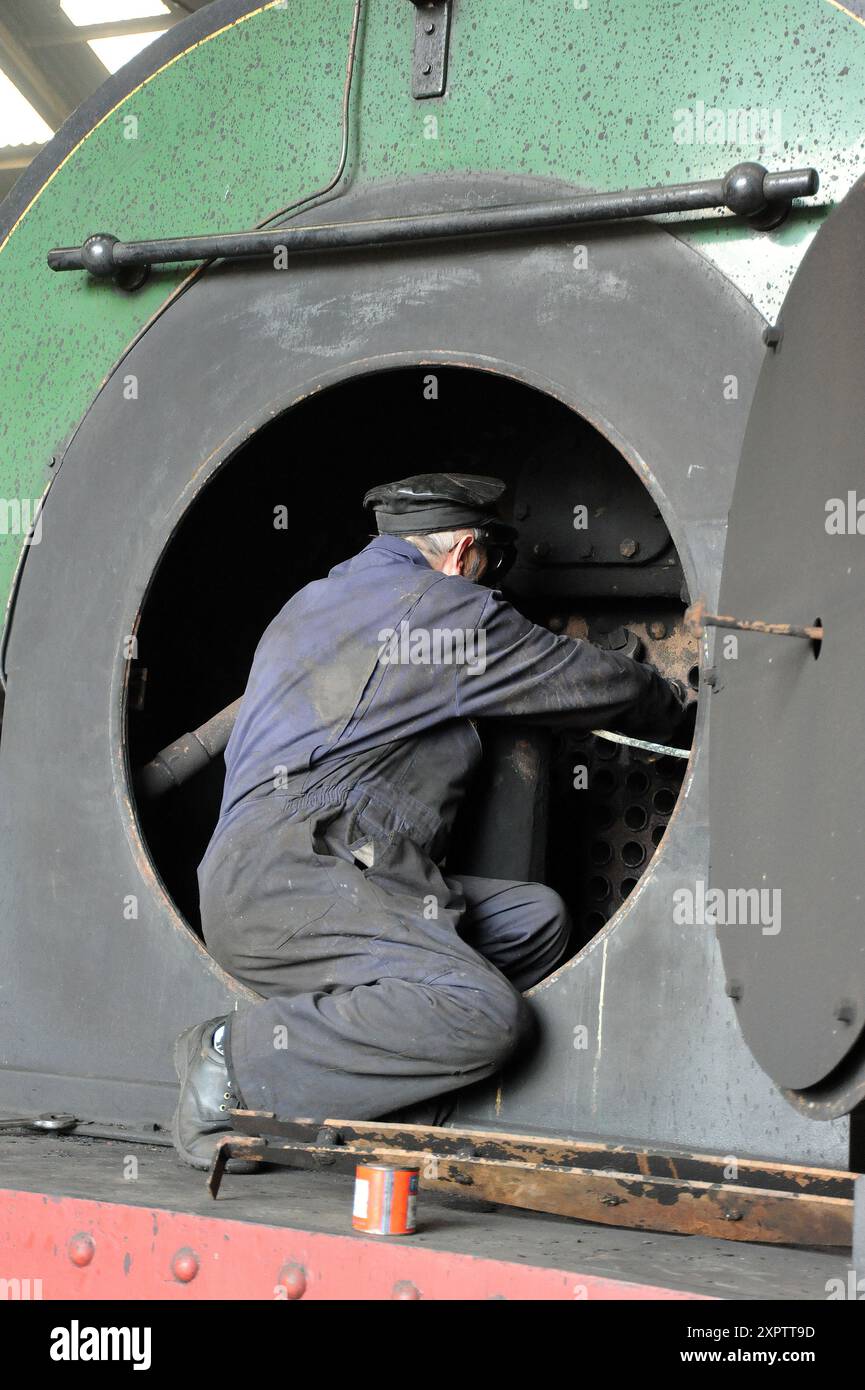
x=748 y=190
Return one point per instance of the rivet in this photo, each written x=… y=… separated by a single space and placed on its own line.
x=426 y=69
x=185 y=1265
x=734 y=989
x=845 y=1012
x=628 y=548
x=81 y=1250
x=430 y=28
x=657 y=630
x=404 y=1289
x=292 y=1278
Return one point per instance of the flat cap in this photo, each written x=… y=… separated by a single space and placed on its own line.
x=438 y=502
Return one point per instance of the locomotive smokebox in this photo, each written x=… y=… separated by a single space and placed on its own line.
x=200 y=435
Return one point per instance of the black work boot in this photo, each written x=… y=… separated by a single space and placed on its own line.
x=206 y=1096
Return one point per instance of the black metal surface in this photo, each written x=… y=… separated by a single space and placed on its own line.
x=788 y=768
x=429 y=63
x=617 y=522
x=745 y=193
x=664 y=1050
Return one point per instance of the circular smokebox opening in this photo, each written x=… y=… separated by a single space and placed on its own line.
x=286 y=508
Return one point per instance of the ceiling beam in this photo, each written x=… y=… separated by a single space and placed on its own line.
x=82 y=33
x=31 y=82
x=18 y=156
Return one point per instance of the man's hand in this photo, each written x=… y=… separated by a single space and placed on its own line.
x=685 y=731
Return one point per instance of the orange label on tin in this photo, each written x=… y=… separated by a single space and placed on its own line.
x=385 y=1200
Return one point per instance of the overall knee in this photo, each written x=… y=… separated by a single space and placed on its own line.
x=503 y=1023
x=519 y=1030
x=550 y=923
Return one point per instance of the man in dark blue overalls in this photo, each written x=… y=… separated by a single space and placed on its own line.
x=386 y=981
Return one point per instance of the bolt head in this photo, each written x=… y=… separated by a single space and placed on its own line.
x=185 y=1265
x=405 y=1290
x=657 y=630
x=81 y=1249
x=292 y=1278
x=628 y=548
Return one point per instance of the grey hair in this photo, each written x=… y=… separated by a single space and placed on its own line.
x=438 y=543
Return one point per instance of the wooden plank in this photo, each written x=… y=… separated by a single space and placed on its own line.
x=728 y=1212
x=642 y=1161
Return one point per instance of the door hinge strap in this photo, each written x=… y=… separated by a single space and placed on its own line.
x=429 y=64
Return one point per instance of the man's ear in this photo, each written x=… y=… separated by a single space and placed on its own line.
x=461 y=552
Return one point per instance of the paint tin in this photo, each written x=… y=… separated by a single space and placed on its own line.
x=385 y=1197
